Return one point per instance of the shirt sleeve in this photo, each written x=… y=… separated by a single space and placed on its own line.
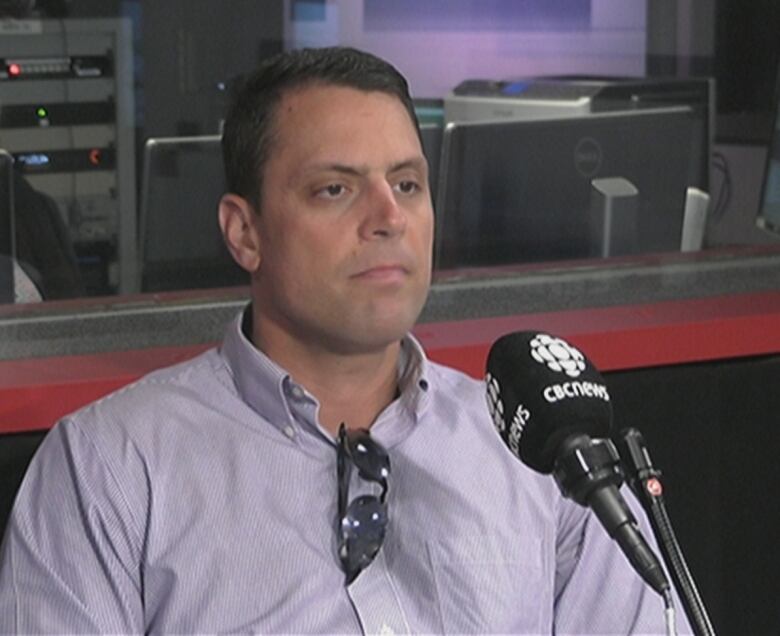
x=70 y=560
x=597 y=590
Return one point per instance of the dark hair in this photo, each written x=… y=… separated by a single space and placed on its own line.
x=247 y=135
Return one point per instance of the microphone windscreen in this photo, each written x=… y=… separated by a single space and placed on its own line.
x=542 y=390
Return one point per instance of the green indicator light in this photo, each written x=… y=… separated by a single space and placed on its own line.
x=42 y=112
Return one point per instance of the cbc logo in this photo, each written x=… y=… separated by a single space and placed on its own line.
x=495 y=405
x=558 y=355
x=516 y=428
x=496 y=408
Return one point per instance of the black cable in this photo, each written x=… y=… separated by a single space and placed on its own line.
x=723 y=199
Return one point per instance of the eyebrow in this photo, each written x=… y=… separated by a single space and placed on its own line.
x=415 y=163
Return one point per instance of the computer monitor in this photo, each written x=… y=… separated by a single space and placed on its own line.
x=579 y=95
x=7 y=252
x=431 y=143
x=181 y=243
x=521 y=191
x=769 y=211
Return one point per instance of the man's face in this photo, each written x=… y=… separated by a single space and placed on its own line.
x=345 y=222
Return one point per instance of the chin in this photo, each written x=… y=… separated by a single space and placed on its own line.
x=377 y=339
x=371 y=327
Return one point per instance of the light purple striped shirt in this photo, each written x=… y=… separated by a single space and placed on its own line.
x=203 y=499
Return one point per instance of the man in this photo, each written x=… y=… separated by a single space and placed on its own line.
x=45 y=257
x=220 y=495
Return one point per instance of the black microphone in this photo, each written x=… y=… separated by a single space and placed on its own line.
x=551 y=407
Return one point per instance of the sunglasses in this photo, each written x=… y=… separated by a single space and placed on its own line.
x=361 y=522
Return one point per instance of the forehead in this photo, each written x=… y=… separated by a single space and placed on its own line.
x=323 y=118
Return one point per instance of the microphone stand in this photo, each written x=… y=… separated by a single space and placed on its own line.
x=645 y=481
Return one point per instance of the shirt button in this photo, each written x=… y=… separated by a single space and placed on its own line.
x=297 y=392
x=423 y=384
x=289 y=431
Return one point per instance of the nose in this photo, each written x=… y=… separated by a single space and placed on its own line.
x=384 y=217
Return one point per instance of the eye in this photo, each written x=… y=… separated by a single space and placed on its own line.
x=331 y=191
x=407 y=187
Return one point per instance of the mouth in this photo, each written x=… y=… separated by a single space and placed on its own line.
x=392 y=272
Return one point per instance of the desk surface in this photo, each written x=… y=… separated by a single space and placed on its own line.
x=35 y=392
x=625 y=313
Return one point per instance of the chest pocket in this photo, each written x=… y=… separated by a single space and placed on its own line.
x=485 y=583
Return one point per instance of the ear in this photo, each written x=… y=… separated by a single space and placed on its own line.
x=238 y=224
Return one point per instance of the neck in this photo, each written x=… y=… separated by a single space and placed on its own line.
x=353 y=388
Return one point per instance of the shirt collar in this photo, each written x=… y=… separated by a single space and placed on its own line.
x=260 y=382
x=272 y=393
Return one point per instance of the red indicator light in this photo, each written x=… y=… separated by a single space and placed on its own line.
x=14 y=70
x=654 y=487
x=94 y=157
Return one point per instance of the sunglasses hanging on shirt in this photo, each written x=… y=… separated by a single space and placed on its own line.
x=361 y=522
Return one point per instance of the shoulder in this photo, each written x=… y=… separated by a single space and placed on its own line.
x=460 y=402
x=142 y=431
x=460 y=416
x=148 y=419
x=179 y=387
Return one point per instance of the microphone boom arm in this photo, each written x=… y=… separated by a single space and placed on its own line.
x=644 y=481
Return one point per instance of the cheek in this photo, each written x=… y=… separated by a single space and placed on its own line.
x=424 y=232
x=430 y=230
x=306 y=255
